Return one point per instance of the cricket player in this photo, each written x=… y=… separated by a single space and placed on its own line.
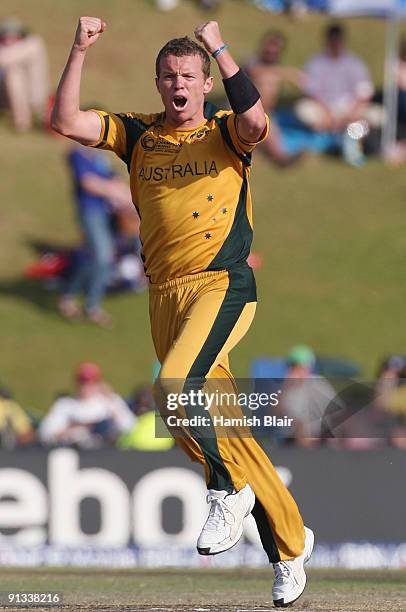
x=189 y=172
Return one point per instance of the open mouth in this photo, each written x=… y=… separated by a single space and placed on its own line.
x=179 y=102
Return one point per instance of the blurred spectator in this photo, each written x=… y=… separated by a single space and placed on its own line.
x=298 y=8
x=397 y=153
x=209 y=5
x=93 y=417
x=268 y=74
x=393 y=400
x=98 y=192
x=24 y=80
x=166 y=5
x=388 y=373
x=401 y=82
x=15 y=425
x=339 y=90
x=275 y=6
x=370 y=415
x=390 y=399
x=305 y=397
x=143 y=435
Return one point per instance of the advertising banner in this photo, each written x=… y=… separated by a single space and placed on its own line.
x=124 y=508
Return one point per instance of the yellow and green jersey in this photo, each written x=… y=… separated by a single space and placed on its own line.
x=190 y=187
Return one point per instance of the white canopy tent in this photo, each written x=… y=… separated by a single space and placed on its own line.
x=394 y=11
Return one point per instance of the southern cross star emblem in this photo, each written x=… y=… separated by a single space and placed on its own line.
x=195 y=214
x=224 y=210
x=207 y=236
x=210 y=198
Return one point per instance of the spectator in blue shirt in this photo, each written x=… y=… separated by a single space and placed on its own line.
x=98 y=192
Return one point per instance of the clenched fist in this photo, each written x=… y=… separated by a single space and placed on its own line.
x=88 y=31
x=209 y=34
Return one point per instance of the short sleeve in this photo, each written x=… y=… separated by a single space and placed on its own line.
x=244 y=146
x=112 y=134
x=120 y=133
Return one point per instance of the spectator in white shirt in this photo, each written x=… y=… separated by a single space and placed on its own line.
x=337 y=84
x=269 y=74
x=95 y=416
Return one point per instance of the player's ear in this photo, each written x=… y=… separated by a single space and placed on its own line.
x=208 y=85
x=157 y=83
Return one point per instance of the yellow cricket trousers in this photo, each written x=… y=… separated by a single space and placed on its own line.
x=196 y=320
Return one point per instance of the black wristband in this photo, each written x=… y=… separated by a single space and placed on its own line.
x=241 y=92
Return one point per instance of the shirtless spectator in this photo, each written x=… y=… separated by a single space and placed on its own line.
x=24 y=81
x=269 y=75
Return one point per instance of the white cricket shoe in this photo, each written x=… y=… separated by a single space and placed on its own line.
x=290 y=577
x=224 y=525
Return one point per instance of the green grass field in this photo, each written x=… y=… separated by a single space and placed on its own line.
x=208 y=590
x=333 y=238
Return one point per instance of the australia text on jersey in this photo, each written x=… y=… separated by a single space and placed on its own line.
x=157 y=174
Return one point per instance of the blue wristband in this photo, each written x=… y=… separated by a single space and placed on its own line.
x=217 y=52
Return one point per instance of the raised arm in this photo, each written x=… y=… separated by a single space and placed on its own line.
x=67 y=118
x=242 y=94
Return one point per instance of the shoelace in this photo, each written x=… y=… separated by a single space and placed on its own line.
x=282 y=571
x=219 y=511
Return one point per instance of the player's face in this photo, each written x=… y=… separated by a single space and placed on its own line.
x=182 y=86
